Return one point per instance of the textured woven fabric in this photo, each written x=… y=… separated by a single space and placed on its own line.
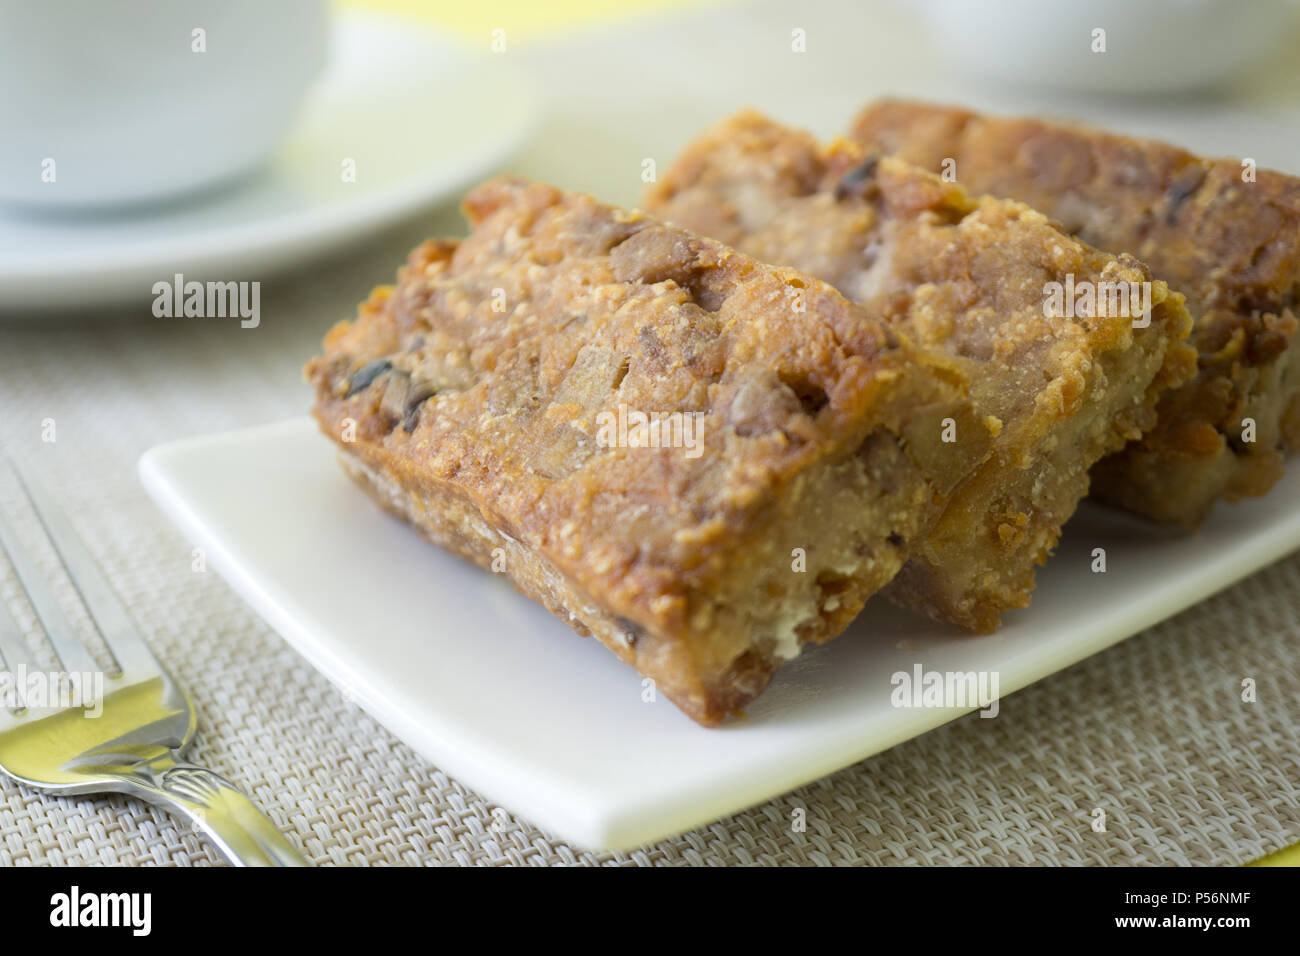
x=1153 y=731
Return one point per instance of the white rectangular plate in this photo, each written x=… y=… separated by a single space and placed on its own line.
x=498 y=693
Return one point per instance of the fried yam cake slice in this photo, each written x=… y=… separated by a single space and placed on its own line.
x=1221 y=232
x=500 y=398
x=973 y=280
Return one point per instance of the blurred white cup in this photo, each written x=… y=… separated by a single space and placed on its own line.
x=1150 y=46
x=130 y=100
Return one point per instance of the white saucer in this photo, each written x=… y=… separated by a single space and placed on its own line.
x=500 y=694
x=422 y=117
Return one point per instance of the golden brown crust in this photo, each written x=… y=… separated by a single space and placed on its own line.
x=966 y=278
x=471 y=397
x=1231 y=246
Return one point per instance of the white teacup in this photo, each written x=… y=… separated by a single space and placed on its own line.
x=1110 y=46
x=116 y=102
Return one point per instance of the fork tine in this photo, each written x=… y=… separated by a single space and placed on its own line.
x=57 y=627
x=13 y=652
x=105 y=607
x=12 y=649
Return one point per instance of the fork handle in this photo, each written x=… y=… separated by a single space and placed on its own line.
x=220 y=809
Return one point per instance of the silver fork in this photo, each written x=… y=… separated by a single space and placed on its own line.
x=132 y=739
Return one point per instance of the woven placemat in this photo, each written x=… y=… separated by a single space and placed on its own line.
x=1154 y=731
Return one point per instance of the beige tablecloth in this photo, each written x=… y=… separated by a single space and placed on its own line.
x=1153 y=731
